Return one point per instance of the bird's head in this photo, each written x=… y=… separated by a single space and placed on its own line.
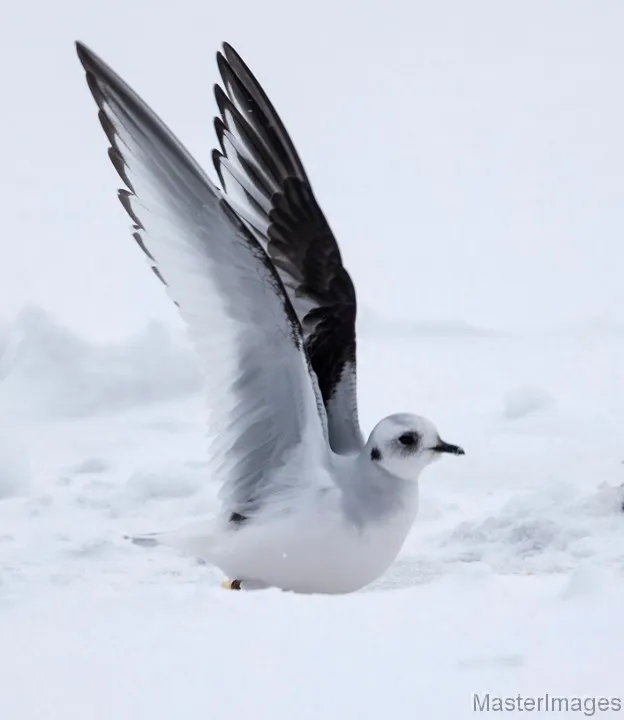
x=404 y=444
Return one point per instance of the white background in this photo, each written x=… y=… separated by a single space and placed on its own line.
x=468 y=155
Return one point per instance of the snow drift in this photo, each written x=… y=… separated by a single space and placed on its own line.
x=47 y=370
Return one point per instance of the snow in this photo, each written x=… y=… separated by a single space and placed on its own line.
x=190 y=652
x=511 y=582
x=14 y=468
x=56 y=373
x=468 y=156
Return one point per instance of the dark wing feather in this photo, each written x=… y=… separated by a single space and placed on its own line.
x=265 y=181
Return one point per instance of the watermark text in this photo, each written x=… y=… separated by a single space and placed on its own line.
x=586 y=705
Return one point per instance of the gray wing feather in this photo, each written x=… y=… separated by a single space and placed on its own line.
x=245 y=330
x=264 y=179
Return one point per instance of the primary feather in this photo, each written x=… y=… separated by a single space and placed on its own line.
x=264 y=178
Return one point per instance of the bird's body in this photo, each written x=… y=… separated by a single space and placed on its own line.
x=317 y=552
x=338 y=537
x=306 y=504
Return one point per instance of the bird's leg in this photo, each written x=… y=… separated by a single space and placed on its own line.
x=231 y=584
x=245 y=584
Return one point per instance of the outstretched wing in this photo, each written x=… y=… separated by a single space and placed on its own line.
x=265 y=181
x=263 y=403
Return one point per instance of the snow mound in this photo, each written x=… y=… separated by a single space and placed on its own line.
x=525 y=401
x=548 y=530
x=47 y=371
x=173 y=481
x=15 y=473
x=371 y=322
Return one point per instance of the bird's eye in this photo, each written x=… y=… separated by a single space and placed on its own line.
x=408 y=439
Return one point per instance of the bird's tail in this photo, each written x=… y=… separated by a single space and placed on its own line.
x=198 y=539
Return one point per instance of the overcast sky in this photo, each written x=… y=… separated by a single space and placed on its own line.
x=469 y=155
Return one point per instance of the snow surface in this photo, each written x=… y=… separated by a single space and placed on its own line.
x=512 y=580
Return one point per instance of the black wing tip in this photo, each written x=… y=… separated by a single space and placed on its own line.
x=233 y=57
x=216 y=161
x=226 y=56
x=219 y=125
x=88 y=59
x=228 y=49
x=230 y=56
x=218 y=92
x=222 y=99
x=220 y=129
x=222 y=63
x=82 y=51
x=96 y=72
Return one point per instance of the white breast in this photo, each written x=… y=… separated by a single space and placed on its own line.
x=319 y=551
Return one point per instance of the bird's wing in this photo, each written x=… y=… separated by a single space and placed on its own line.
x=263 y=398
x=264 y=179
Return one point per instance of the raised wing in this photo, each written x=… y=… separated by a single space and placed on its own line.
x=263 y=403
x=266 y=183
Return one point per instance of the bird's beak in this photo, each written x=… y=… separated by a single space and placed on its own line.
x=444 y=447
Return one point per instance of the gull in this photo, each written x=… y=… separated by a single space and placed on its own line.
x=306 y=503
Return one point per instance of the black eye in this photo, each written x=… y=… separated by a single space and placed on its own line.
x=408 y=439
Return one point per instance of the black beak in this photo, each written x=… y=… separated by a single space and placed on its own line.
x=444 y=447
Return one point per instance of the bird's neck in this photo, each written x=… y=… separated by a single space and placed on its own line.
x=377 y=495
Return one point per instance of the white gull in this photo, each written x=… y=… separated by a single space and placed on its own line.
x=306 y=504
